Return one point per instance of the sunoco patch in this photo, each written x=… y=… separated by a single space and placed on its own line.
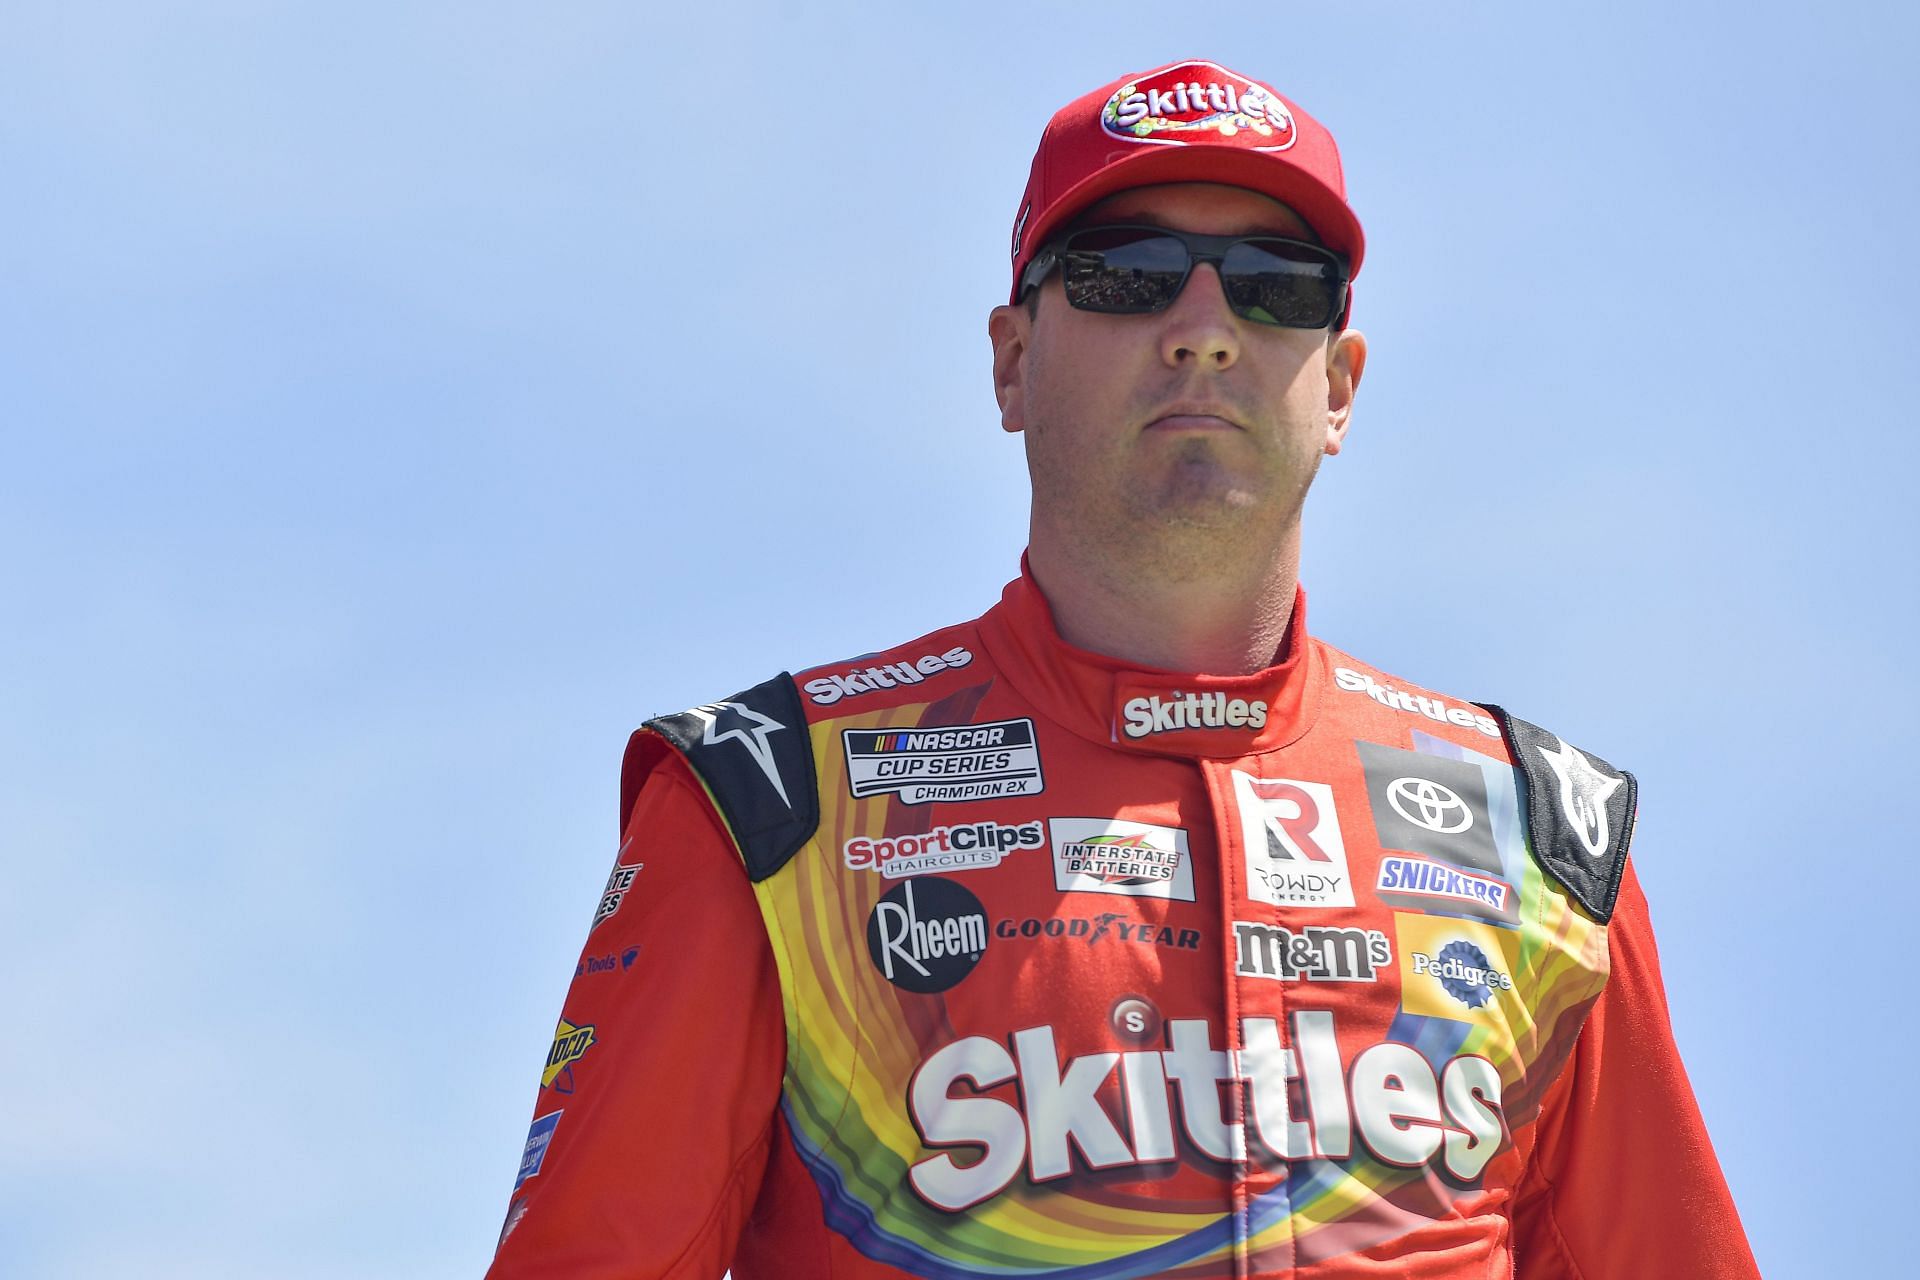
x=949 y=764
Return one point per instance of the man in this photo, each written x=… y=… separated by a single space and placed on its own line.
x=1128 y=930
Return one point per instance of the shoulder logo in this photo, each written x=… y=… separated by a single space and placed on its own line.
x=570 y=1044
x=762 y=781
x=829 y=689
x=1579 y=813
x=1199 y=102
x=619 y=882
x=1583 y=794
x=746 y=726
x=534 y=1154
x=1434 y=709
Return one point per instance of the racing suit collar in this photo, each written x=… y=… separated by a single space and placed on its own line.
x=1145 y=709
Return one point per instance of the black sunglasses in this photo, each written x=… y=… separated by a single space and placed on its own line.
x=1133 y=270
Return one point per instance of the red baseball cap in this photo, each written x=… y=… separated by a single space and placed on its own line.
x=1192 y=121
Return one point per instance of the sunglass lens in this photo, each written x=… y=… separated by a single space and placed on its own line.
x=1122 y=269
x=1280 y=282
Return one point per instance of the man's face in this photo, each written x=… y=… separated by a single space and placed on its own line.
x=1190 y=425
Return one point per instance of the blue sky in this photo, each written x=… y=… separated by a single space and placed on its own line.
x=400 y=403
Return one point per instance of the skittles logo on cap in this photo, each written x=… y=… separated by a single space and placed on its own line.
x=1199 y=102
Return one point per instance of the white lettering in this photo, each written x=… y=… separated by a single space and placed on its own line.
x=829 y=689
x=1151 y=714
x=1303 y=1105
x=1270 y=1070
x=1328 y=1114
x=946 y=1121
x=1471 y=1088
x=1393 y=1084
x=1198 y=1070
x=1061 y=1105
x=1432 y=708
x=1148 y=1118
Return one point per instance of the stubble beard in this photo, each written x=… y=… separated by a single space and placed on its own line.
x=1195 y=520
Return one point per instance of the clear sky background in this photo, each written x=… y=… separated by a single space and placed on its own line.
x=400 y=402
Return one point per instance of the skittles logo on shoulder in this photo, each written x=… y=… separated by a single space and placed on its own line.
x=1199 y=102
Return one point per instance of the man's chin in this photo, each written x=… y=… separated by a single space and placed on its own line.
x=1199 y=495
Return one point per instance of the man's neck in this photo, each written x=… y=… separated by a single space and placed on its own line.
x=1216 y=618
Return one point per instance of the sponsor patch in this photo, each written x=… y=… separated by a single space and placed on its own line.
x=1583 y=794
x=1295 y=854
x=1412 y=879
x=1458 y=969
x=615 y=893
x=1107 y=927
x=926 y=934
x=829 y=689
x=737 y=722
x=1419 y=704
x=1147 y=715
x=515 y=1211
x=1430 y=805
x=1313 y=954
x=570 y=1044
x=949 y=764
x=539 y=1137
x=1135 y=1019
x=1113 y=855
x=1199 y=102
x=1017 y=1112
x=961 y=847
x=608 y=963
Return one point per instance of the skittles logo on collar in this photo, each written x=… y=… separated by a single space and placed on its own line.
x=1199 y=102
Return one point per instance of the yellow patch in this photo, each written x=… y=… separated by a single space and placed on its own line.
x=570 y=1044
x=1459 y=969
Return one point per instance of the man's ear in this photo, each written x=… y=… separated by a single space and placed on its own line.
x=1346 y=361
x=1009 y=328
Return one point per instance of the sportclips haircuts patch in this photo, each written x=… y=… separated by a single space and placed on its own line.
x=949 y=764
x=1199 y=102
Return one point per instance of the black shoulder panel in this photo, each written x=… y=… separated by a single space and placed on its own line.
x=756 y=757
x=1579 y=812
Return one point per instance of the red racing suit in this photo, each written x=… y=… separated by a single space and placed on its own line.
x=989 y=956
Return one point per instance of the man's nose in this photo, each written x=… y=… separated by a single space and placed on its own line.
x=1199 y=327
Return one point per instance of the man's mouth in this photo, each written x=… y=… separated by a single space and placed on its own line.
x=1195 y=416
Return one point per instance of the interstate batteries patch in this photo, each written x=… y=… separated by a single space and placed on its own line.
x=948 y=764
